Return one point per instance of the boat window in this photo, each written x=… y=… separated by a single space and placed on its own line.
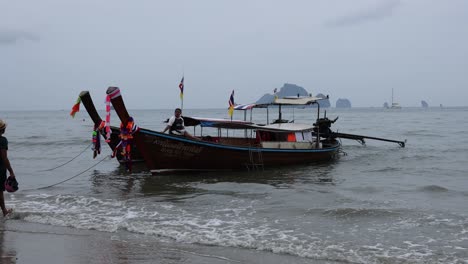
x=275 y=136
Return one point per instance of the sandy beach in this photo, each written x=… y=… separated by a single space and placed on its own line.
x=23 y=242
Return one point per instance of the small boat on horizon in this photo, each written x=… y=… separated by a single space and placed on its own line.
x=394 y=105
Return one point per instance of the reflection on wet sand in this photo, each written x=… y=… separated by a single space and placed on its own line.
x=32 y=243
x=7 y=254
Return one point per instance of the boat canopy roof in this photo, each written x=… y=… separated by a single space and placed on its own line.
x=244 y=106
x=288 y=100
x=296 y=100
x=285 y=127
x=214 y=122
x=239 y=124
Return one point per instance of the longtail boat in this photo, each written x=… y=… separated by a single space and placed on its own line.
x=278 y=144
x=281 y=143
x=114 y=139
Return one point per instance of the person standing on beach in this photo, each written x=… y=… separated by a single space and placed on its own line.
x=4 y=166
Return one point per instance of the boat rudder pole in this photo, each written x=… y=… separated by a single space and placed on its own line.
x=361 y=138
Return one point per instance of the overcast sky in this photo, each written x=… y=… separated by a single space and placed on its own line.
x=50 y=50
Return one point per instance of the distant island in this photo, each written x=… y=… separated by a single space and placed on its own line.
x=343 y=103
x=290 y=89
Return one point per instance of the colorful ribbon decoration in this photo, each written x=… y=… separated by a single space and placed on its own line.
x=126 y=141
x=76 y=107
x=108 y=116
x=97 y=138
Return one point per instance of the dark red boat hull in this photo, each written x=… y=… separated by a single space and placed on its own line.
x=163 y=151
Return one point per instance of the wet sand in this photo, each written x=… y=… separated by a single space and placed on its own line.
x=23 y=242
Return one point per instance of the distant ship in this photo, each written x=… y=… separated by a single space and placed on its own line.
x=394 y=105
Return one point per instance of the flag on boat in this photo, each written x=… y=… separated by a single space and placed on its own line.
x=181 y=87
x=76 y=107
x=231 y=104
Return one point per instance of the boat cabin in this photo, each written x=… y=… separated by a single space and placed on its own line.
x=286 y=136
x=277 y=135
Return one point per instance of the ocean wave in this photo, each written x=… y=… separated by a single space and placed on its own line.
x=385 y=169
x=360 y=212
x=421 y=133
x=236 y=225
x=34 y=137
x=420 y=157
x=365 y=189
x=433 y=189
x=72 y=143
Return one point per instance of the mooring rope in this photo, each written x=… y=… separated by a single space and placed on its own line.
x=340 y=149
x=69 y=160
x=70 y=177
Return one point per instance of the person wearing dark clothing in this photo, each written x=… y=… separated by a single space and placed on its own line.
x=4 y=166
x=176 y=125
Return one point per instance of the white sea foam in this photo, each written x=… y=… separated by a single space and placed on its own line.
x=235 y=225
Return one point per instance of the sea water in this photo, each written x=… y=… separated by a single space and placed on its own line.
x=376 y=203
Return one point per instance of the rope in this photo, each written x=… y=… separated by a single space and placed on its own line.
x=69 y=160
x=340 y=149
x=70 y=177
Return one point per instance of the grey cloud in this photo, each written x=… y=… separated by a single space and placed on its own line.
x=382 y=10
x=12 y=37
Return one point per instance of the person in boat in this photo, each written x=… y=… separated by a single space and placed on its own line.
x=175 y=125
x=4 y=166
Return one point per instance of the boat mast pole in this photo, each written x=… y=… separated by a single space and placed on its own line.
x=268 y=118
x=181 y=86
x=293 y=113
x=392 y=96
x=279 y=115
x=245 y=119
x=251 y=131
x=317 y=143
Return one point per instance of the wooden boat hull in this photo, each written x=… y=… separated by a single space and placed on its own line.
x=170 y=152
